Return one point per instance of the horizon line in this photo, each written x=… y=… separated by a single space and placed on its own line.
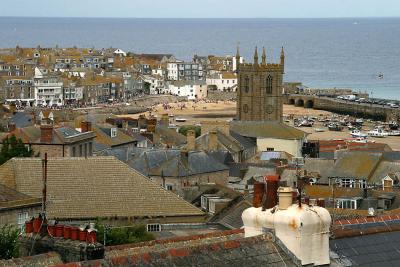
x=100 y=17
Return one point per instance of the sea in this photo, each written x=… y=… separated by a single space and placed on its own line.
x=320 y=53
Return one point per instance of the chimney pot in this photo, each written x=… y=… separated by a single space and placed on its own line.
x=285 y=197
x=272 y=192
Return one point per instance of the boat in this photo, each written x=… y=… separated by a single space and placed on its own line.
x=394 y=133
x=305 y=123
x=378 y=132
x=319 y=130
x=380 y=75
x=358 y=134
x=393 y=125
x=180 y=119
x=359 y=121
x=335 y=127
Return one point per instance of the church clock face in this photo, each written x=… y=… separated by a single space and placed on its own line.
x=269 y=109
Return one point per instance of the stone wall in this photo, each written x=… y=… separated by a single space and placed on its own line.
x=221 y=96
x=70 y=251
x=10 y=216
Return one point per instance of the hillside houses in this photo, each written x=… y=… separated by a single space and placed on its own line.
x=56 y=77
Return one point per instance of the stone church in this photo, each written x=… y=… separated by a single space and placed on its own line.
x=259 y=97
x=258 y=125
x=259 y=108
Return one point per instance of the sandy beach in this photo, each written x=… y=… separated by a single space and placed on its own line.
x=194 y=113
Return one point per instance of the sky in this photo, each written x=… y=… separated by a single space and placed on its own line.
x=202 y=8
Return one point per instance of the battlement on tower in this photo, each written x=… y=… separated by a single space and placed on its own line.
x=262 y=67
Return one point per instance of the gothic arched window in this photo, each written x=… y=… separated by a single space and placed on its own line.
x=246 y=84
x=269 y=84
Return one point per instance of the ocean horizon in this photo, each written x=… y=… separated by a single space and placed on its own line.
x=320 y=52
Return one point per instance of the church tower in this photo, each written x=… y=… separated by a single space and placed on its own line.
x=259 y=92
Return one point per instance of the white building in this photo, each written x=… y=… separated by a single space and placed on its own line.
x=119 y=52
x=223 y=81
x=192 y=89
x=155 y=83
x=48 y=89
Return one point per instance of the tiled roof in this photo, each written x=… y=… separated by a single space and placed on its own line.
x=95 y=187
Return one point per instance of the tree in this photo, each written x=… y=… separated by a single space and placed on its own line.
x=122 y=235
x=13 y=147
x=8 y=242
x=183 y=129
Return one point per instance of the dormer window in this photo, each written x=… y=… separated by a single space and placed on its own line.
x=113 y=132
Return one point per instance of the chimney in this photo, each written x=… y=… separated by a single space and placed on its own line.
x=11 y=127
x=191 y=140
x=86 y=126
x=46 y=133
x=285 y=197
x=259 y=189
x=272 y=192
x=164 y=120
x=212 y=141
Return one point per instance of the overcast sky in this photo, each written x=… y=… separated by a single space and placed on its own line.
x=202 y=8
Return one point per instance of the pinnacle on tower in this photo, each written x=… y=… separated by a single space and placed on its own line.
x=283 y=60
x=256 y=57
x=264 y=57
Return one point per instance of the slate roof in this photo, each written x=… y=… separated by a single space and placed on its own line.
x=266 y=129
x=80 y=188
x=103 y=135
x=224 y=142
x=173 y=163
x=384 y=168
x=170 y=136
x=380 y=249
x=32 y=134
x=355 y=164
x=12 y=198
x=22 y=119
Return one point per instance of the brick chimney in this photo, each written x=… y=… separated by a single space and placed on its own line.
x=212 y=141
x=86 y=126
x=259 y=190
x=11 y=127
x=46 y=133
x=191 y=140
x=272 y=191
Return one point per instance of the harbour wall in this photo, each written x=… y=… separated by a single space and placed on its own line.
x=363 y=110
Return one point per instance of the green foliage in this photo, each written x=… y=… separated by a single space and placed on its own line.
x=123 y=235
x=13 y=147
x=8 y=242
x=183 y=129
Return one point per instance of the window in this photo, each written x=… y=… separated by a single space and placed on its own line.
x=270 y=149
x=113 y=132
x=269 y=84
x=168 y=187
x=154 y=227
x=80 y=150
x=22 y=218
